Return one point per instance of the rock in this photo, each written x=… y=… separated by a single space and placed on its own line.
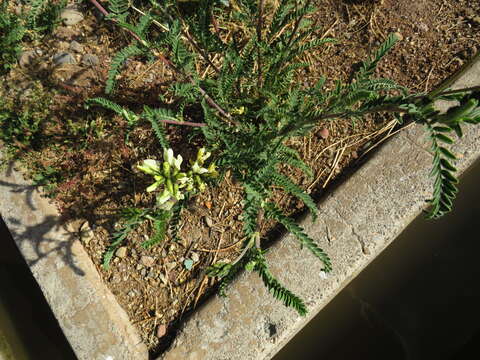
x=121 y=252
x=86 y=233
x=90 y=60
x=71 y=16
x=194 y=256
x=161 y=330
x=208 y=221
x=63 y=45
x=65 y=33
x=63 y=58
x=324 y=133
x=476 y=20
x=421 y=27
x=170 y=266
x=143 y=272
x=76 y=46
x=147 y=261
x=73 y=74
x=163 y=278
x=26 y=58
x=399 y=36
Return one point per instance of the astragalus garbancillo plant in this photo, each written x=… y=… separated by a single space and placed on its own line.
x=245 y=84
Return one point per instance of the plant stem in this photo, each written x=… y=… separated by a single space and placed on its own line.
x=450 y=92
x=106 y=13
x=449 y=81
x=297 y=23
x=167 y=62
x=259 y=37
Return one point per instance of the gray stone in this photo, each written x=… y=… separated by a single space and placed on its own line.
x=26 y=58
x=76 y=46
x=147 y=261
x=71 y=16
x=90 y=60
x=63 y=58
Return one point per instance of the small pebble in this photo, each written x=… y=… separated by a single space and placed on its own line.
x=170 y=266
x=208 y=221
x=194 y=256
x=161 y=330
x=26 y=58
x=147 y=261
x=71 y=16
x=399 y=36
x=76 y=46
x=163 y=278
x=324 y=133
x=86 y=233
x=143 y=272
x=64 y=58
x=121 y=252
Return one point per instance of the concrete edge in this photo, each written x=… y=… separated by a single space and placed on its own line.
x=88 y=313
x=356 y=222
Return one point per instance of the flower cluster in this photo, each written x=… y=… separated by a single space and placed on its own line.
x=175 y=182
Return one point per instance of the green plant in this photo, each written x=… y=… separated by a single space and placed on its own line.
x=11 y=34
x=42 y=16
x=21 y=123
x=251 y=104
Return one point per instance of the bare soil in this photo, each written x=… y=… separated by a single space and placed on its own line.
x=97 y=166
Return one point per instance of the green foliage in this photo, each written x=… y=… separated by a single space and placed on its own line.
x=117 y=62
x=48 y=178
x=12 y=32
x=443 y=171
x=43 y=15
x=160 y=225
x=259 y=264
x=251 y=104
x=154 y=116
x=118 y=7
x=131 y=218
x=272 y=211
x=21 y=123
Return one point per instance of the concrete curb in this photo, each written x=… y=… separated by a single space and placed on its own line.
x=93 y=322
x=361 y=217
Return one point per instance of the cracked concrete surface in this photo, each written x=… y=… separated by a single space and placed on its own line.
x=356 y=222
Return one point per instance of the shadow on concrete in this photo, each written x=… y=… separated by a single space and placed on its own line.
x=26 y=319
x=39 y=238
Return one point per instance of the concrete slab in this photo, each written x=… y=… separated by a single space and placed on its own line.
x=93 y=322
x=361 y=217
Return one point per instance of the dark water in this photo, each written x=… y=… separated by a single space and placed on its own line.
x=25 y=318
x=420 y=299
